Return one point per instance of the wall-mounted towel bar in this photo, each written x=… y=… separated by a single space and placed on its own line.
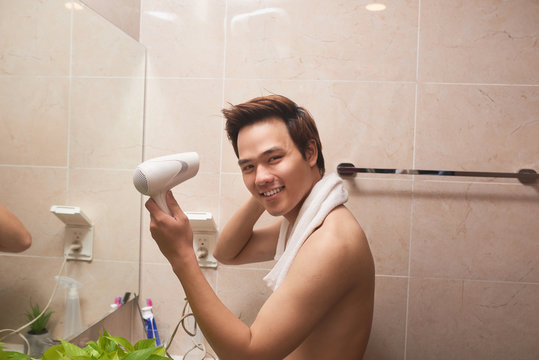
x=525 y=176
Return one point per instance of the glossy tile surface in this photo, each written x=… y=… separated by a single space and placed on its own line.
x=475 y=320
x=480 y=41
x=40 y=44
x=475 y=231
x=106 y=132
x=477 y=127
x=34 y=123
x=285 y=40
x=71 y=107
x=184 y=38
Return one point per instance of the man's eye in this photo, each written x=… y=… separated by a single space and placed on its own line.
x=246 y=168
x=275 y=158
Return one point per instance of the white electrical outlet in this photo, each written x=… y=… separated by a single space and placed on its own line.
x=204 y=243
x=79 y=232
x=81 y=237
x=204 y=237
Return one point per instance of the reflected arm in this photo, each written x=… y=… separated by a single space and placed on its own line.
x=13 y=235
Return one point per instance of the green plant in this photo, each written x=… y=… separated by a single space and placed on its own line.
x=40 y=325
x=11 y=355
x=107 y=347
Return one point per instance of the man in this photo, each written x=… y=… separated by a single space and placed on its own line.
x=322 y=304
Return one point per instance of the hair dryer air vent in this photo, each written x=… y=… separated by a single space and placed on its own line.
x=140 y=181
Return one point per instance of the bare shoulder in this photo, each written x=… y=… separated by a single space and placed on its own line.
x=342 y=238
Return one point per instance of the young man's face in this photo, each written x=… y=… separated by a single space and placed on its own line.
x=273 y=169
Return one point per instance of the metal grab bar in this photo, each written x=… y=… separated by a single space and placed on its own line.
x=525 y=176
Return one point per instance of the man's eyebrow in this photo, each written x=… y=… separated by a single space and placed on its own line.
x=265 y=153
x=243 y=161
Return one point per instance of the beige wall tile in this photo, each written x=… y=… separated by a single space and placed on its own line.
x=100 y=49
x=184 y=38
x=34 y=38
x=34 y=120
x=458 y=319
x=182 y=116
x=387 y=335
x=107 y=198
x=370 y=125
x=475 y=231
x=480 y=41
x=477 y=127
x=287 y=40
x=106 y=123
x=383 y=209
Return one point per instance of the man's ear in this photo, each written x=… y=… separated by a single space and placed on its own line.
x=311 y=153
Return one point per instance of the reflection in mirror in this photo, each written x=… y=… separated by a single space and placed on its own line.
x=71 y=120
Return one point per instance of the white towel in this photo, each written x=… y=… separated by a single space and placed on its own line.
x=327 y=193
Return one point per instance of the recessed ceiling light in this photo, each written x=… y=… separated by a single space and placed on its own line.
x=375 y=7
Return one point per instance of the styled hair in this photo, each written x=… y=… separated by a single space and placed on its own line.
x=300 y=124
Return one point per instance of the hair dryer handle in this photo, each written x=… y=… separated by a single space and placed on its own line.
x=161 y=201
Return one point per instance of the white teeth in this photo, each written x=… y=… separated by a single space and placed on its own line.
x=272 y=192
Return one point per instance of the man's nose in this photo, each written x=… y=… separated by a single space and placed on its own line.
x=263 y=175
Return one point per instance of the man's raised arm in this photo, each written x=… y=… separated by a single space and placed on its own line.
x=239 y=243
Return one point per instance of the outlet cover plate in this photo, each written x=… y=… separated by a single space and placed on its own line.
x=204 y=243
x=83 y=235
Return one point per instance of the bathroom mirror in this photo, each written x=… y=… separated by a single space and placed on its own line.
x=71 y=130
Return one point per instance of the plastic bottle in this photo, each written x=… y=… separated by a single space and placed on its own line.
x=150 y=325
x=72 y=321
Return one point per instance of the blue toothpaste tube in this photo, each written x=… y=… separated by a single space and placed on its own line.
x=149 y=323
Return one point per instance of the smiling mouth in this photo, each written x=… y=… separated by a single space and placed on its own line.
x=272 y=192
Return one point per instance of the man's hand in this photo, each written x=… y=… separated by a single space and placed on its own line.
x=172 y=233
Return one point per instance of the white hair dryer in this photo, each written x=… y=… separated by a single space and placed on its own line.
x=155 y=177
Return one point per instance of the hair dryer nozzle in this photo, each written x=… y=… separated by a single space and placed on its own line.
x=155 y=177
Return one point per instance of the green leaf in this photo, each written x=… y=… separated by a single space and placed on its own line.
x=158 y=357
x=123 y=342
x=14 y=355
x=55 y=352
x=73 y=350
x=104 y=356
x=106 y=344
x=142 y=354
x=92 y=349
x=144 y=344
